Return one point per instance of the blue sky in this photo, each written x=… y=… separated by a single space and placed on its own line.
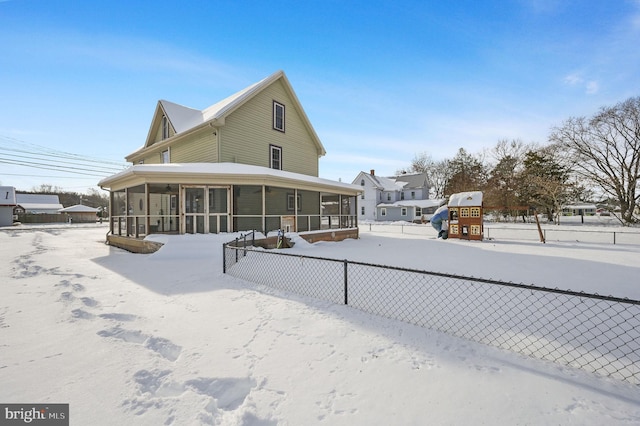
x=380 y=80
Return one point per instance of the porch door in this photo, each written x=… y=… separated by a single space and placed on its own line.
x=206 y=209
x=218 y=209
x=194 y=209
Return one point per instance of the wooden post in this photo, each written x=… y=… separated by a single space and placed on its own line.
x=535 y=214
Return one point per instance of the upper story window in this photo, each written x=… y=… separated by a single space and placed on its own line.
x=278 y=116
x=165 y=127
x=388 y=196
x=413 y=195
x=275 y=157
x=164 y=157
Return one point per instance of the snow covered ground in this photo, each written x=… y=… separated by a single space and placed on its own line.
x=167 y=339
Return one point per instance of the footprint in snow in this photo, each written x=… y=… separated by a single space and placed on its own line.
x=163 y=347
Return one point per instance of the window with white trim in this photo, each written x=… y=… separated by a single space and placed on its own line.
x=403 y=211
x=275 y=157
x=165 y=127
x=164 y=157
x=278 y=116
x=383 y=211
x=291 y=205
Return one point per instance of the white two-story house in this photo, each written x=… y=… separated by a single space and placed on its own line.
x=398 y=198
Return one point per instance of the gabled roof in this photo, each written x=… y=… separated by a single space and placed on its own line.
x=418 y=180
x=38 y=201
x=79 y=208
x=379 y=182
x=184 y=119
x=7 y=196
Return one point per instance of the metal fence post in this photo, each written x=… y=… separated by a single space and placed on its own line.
x=224 y=258
x=614 y=237
x=346 y=286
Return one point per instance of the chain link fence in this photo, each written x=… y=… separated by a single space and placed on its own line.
x=527 y=233
x=600 y=334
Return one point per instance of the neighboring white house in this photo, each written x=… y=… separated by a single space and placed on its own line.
x=37 y=204
x=7 y=203
x=404 y=197
x=579 y=209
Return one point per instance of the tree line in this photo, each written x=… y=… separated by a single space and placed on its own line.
x=586 y=159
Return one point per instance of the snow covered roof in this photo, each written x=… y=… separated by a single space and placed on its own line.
x=38 y=202
x=382 y=183
x=183 y=118
x=79 y=208
x=414 y=203
x=462 y=199
x=7 y=196
x=417 y=180
x=181 y=172
x=580 y=206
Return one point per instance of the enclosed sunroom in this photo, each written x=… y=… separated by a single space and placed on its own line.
x=200 y=198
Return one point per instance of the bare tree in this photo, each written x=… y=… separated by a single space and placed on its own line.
x=437 y=172
x=605 y=150
x=439 y=178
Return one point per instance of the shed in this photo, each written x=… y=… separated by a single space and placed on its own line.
x=7 y=203
x=465 y=216
x=80 y=213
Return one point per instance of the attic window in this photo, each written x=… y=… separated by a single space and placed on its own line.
x=165 y=127
x=278 y=116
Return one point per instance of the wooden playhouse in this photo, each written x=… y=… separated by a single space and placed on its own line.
x=465 y=216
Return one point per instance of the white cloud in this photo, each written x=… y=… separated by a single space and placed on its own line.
x=573 y=79
x=592 y=87
x=577 y=79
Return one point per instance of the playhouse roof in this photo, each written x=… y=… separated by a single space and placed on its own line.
x=473 y=198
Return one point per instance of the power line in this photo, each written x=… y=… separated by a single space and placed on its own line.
x=46 y=176
x=39 y=150
x=17 y=152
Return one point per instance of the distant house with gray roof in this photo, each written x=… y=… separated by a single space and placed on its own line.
x=80 y=213
x=404 y=197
